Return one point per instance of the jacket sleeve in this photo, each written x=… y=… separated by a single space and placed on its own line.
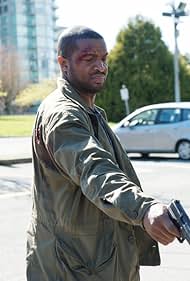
x=81 y=157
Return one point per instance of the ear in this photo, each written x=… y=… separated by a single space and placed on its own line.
x=63 y=63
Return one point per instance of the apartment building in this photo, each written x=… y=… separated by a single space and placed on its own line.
x=29 y=27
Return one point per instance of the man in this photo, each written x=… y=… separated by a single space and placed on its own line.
x=90 y=217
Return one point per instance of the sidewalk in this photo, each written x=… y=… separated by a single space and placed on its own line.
x=15 y=150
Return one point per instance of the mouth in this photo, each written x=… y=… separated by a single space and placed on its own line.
x=99 y=78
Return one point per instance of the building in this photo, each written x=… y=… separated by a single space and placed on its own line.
x=29 y=27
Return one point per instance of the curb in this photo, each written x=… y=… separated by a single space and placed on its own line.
x=9 y=162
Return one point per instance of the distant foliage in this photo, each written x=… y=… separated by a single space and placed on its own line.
x=10 y=81
x=141 y=61
x=185 y=78
x=35 y=92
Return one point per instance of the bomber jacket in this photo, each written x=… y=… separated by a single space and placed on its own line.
x=88 y=205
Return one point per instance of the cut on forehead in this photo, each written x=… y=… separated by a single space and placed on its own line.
x=67 y=42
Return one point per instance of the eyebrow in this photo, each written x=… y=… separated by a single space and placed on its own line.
x=86 y=52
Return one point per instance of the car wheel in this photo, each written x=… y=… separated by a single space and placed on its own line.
x=183 y=150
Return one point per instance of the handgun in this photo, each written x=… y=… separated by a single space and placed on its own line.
x=181 y=220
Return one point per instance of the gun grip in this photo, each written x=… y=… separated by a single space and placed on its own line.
x=180 y=239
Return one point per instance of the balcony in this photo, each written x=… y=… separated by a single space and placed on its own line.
x=55 y=6
x=55 y=17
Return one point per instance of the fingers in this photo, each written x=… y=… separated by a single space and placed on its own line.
x=162 y=231
x=159 y=226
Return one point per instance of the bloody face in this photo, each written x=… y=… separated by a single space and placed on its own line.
x=87 y=68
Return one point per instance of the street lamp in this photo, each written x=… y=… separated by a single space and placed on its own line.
x=176 y=13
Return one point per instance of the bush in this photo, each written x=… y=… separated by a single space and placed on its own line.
x=35 y=93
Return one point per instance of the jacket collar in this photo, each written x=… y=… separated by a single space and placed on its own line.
x=66 y=89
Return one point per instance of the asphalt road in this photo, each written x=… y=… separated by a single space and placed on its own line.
x=15 y=147
x=163 y=178
x=15 y=179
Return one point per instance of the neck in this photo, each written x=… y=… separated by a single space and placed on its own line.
x=88 y=99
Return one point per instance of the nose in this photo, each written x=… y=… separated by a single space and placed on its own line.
x=101 y=66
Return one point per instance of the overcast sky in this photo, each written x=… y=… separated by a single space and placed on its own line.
x=108 y=17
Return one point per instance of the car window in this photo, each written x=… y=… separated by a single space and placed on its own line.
x=170 y=115
x=186 y=114
x=147 y=117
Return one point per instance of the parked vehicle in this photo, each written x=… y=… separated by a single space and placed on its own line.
x=157 y=128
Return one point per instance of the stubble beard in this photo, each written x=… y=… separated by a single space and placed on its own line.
x=85 y=88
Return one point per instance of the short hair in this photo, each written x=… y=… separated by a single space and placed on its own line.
x=67 y=41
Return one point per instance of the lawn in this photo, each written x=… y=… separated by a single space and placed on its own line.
x=16 y=125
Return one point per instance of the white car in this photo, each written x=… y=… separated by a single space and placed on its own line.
x=157 y=128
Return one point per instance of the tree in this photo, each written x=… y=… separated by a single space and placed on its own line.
x=185 y=77
x=141 y=61
x=10 y=68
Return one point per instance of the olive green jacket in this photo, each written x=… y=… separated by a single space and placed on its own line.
x=88 y=205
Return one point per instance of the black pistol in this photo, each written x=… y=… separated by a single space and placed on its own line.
x=181 y=220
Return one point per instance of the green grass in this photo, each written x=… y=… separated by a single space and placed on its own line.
x=16 y=125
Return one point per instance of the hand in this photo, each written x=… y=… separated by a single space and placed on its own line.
x=158 y=224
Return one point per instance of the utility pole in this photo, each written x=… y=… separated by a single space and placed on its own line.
x=176 y=63
x=176 y=13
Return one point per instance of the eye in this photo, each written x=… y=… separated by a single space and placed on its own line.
x=88 y=58
x=105 y=59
